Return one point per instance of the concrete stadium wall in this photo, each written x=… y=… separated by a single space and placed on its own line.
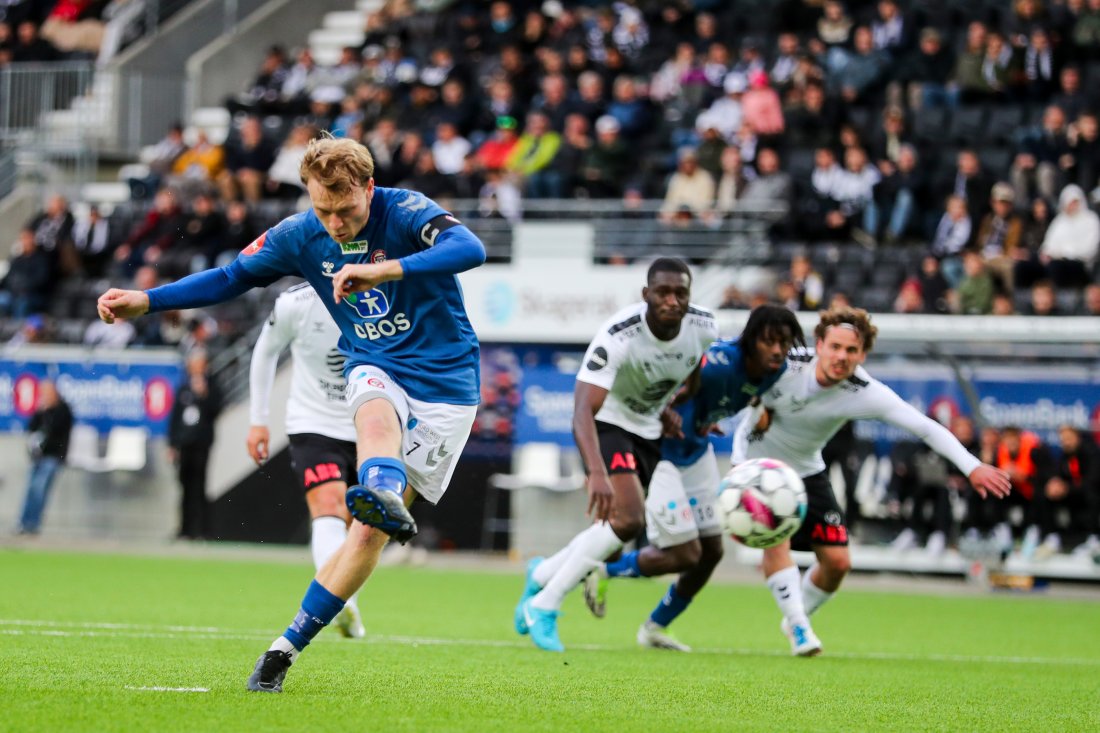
x=226 y=66
x=139 y=505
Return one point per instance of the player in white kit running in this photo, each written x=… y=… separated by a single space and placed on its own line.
x=638 y=359
x=804 y=409
x=321 y=433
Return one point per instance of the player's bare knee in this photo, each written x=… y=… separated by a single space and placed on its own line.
x=688 y=554
x=836 y=564
x=327 y=500
x=627 y=524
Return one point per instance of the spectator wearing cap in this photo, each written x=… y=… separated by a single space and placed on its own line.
x=1072 y=241
x=999 y=234
x=690 y=186
x=761 y=106
x=493 y=153
x=532 y=154
x=607 y=162
x=925 y=70
x=726 y=111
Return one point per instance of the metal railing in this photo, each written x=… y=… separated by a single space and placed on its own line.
x=7 y=172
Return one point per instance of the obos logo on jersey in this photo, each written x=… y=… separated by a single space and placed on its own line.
x=372 y=306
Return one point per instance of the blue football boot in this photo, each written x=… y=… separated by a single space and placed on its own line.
x=382 y=509
x=543 y=627
x=529 y=591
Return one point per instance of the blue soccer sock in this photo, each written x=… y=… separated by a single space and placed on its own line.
x=386 y=474
x=671 y=606
x=625 y=567
x=319 y=607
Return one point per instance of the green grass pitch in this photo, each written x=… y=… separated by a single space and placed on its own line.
x=118 y=643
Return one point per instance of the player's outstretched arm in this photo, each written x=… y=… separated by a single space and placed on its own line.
x=122 y=304
x=988 y=480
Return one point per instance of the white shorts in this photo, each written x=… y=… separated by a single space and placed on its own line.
x=682 y=502
x=433 y=433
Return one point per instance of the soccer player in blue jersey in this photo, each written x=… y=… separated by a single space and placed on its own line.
x=384 y=261
x=682 y=522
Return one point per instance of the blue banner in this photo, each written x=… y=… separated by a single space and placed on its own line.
x=1030 y=401
x=100 y=393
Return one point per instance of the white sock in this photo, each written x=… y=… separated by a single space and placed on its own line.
x=283 y=644
x=786 y=588
x=812 y=596
x=590 y=548
x=328 y=534
x=551 y=565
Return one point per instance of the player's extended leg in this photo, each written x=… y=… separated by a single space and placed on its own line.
x=330 y=520
x=782 y=578
x=592 y=546
x=379 y=443
x=824 y=577
x=653 y=632
x=678 y=502
x=376 y=500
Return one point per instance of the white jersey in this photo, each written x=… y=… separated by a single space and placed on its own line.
x=316 y=403
x=640 y=371
x=806 y=415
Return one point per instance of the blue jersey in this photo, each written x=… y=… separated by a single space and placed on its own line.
x=724 y=390
x=415 y=329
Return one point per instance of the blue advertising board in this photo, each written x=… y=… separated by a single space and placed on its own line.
x=102 y=393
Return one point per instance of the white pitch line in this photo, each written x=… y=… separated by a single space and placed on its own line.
x=168 y=689
x=29 y=627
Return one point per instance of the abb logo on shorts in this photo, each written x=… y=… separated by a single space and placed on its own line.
x=624 y=462
x=376 y=383
x=321 y=473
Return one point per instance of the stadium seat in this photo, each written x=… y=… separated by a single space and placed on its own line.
x=996 y=160
x=968 y=124
x=1005 y=124
x=84 y=449
x=887 y=274
x=535 y=465
x=126 y=449
x=929 y=124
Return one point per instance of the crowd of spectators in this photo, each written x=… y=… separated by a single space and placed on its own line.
x=1054 y=505
x=35 y=31
x=956 y=141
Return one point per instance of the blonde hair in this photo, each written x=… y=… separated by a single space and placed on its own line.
x=338 y=164
x=856 y=319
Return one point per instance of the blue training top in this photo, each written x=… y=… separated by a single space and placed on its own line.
x=724 y=389
x=415 y=329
